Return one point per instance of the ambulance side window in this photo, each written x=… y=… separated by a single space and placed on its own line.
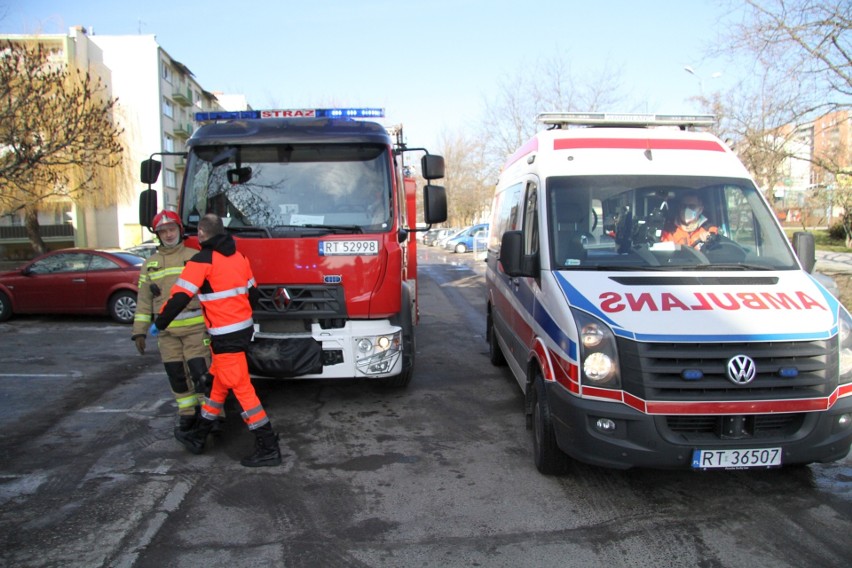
x=531 y=220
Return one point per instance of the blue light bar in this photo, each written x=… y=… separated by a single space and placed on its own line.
x=291 y=113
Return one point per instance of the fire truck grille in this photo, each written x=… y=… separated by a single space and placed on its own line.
x=309 y=301
x=785 y=370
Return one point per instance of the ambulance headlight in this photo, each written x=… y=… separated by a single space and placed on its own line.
x=598 y=355
x=845 y=351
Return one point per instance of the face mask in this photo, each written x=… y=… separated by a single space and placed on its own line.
x=690 y=215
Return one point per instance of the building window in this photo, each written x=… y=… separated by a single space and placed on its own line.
x=168 y=143
x=168 y=108
x=170 y=179
x=167 y=72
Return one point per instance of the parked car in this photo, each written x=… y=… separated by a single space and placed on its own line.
x=73 y=281
x=145 y=250
x=441 y=242
x=466 y=239
x=432 y=236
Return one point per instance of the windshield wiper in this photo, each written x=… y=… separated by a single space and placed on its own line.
x=336 y=228
x=709 y=267
x=263 y=230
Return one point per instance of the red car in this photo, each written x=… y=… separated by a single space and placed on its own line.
x=73 y=281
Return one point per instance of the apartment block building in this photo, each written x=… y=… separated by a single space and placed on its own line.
x=157 y=99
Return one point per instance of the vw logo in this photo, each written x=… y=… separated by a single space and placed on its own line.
x=741 y=369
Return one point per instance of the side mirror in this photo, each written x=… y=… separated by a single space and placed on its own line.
x=434 y=204
x=805 y=247
x=150 y=171
x=237 y=176
x=147 y=207
x=512 y=257
x=432 y=166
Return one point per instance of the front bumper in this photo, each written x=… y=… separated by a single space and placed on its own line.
x=642 y=440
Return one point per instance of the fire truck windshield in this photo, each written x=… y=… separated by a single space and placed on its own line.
x=336 y=186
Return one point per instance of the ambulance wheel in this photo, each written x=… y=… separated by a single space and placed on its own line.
x=122 y=306
x=549 y=459
x=495 y=354
x=5 y=307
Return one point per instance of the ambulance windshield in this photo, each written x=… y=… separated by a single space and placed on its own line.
x=662 y=222
x=279 y=189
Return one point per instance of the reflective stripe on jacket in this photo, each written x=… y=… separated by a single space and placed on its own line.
x=163 y=269
x=221 y=277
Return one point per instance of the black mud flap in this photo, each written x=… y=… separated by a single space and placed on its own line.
x=288 y=358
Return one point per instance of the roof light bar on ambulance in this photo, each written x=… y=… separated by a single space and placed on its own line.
x=624 y=119
x=291 y=113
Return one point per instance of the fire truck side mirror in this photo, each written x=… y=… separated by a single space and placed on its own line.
x=432 y=166
x=434 y=204
x=150 y=171
x=147 y=207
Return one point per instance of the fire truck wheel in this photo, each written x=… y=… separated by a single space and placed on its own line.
x=549 y=459
x=495 y=354
x=122 y=306
x=409 y=348
x=5 y=307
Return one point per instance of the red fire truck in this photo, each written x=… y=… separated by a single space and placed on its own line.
x=323 y=205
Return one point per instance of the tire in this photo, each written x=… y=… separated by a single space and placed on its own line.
x=460 y=248
x=495 y=354
x=549 y=459
x=122 y=306
x=5 y=307
x=409 y=349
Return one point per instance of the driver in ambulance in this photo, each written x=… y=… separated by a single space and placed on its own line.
x=690 y=227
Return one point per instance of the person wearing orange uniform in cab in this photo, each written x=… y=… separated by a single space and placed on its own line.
x=691 y=227
x=222 y=278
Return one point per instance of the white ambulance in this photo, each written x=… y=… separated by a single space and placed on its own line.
x=652 y=310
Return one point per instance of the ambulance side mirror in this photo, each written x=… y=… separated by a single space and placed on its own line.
x=512 y=257
x=805 y=247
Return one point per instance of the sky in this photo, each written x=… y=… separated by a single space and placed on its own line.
x=431 y=64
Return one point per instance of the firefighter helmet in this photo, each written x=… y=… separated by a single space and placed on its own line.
x=165 y=218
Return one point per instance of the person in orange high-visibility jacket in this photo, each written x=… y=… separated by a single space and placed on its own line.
x=222 y=278
x=691 y=228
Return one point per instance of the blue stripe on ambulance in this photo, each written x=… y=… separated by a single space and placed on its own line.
x=531 y=305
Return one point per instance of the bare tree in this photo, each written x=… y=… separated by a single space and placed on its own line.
x=805 y=40
x=469 y=190
x=58 y=141
x=551 y=85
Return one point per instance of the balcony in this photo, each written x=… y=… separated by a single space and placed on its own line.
x=183 y=97
x=182 y=131
x=180 y=164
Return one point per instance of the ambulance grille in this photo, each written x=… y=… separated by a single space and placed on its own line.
x=653 y=371
x=308 y=301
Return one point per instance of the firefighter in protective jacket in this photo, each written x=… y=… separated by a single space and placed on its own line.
x=183 y=345
x=221 y=277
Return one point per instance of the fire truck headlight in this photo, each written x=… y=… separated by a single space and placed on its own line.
x=845 y=351
x=377 y=354
x=598 y=354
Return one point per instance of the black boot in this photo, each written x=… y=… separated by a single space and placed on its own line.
x=266 y=450
x=186 y=422
x=194 y=439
